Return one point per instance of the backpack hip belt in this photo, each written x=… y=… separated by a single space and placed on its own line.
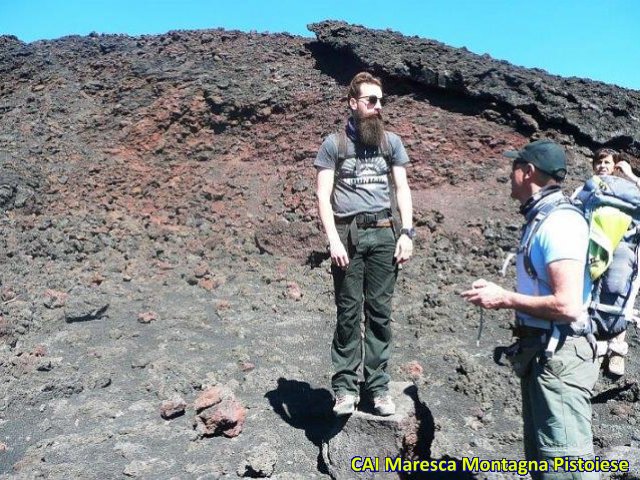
x=552 y=333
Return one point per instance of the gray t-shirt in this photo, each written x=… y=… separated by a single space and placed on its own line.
x=362 y=184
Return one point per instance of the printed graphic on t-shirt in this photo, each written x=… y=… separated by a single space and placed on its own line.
x=366 y=172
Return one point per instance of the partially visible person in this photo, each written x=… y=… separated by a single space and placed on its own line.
x=609 y=162
x=554 y=359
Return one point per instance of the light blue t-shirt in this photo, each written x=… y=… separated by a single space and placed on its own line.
x=563 y=235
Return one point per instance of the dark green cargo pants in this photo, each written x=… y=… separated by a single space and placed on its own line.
x=369 y=280
x=556 y=408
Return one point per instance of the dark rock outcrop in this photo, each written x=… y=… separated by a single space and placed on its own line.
x=596 y=113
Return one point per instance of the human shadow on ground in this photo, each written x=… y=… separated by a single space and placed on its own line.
x=309 y=409
x=422 y=449
x=305 y=408
x=629 y=391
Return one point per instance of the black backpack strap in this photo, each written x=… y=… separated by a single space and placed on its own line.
x=385 y=149
x=342 y=144
x=341 y=141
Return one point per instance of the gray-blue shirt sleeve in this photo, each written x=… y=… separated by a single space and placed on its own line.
x=399 y=155
x=327 y=155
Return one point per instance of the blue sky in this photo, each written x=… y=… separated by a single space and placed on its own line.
x=598 y=39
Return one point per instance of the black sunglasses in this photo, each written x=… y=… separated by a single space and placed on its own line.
x=373 y=99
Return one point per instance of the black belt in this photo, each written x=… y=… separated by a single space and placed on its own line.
x=366 y=219
x=379 y=219
x=522 y=331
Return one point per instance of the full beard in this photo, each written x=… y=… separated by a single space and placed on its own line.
x=370 y=130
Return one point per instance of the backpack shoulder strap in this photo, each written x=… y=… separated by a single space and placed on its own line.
x=534 y=226
x=341 y=140
x=343 y=147
x=385 y=149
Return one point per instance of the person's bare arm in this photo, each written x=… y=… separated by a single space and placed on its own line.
x=404 y=246
x=324 y=188
x=565 y=304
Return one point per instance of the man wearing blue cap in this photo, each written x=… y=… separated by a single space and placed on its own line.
x=552 y=356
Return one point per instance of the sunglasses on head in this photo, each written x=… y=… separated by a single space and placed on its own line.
x=373 y=99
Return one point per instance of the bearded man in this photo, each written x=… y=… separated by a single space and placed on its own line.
x=354 y=169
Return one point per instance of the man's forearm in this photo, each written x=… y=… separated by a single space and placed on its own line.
x=405 y=206
x=548 y=307
x=326 y=217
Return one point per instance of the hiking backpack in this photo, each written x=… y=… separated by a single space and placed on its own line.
x=611 y=206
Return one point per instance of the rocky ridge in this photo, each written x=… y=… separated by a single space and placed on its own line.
x=595 y=113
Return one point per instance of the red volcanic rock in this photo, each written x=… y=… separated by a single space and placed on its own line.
x=147 y=317
x=223 y=305
x=172 y=408
x=247 y=366
x=623 y=410
x=55 y=299
x=165 y=266
x=208 y=283
x=7 y=294
x=5 y=327
x=293 y=291
x=226 y=418
x=211 y=396
x=201 y=270
x=413 y=369
x=39 y=351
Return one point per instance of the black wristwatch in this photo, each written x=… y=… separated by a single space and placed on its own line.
x=409 y=232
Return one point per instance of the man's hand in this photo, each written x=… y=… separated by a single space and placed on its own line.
x=339 y=255
x=486 y=295
x=404 y=249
